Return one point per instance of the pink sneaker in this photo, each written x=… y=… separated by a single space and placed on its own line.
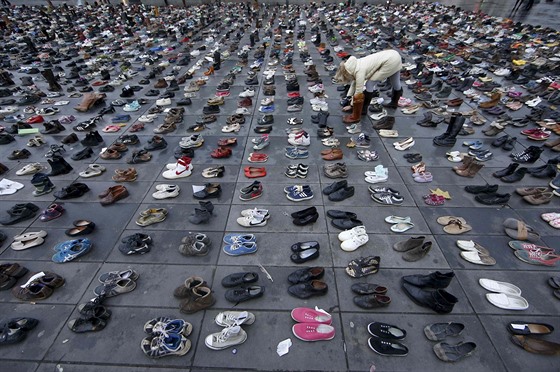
x=307 y=315
x=313 y=331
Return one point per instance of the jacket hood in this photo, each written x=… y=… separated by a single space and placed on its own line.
x=350 y=65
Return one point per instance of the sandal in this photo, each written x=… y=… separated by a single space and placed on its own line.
x=456 y=227
x=36 y=141
x=519 y=230
x=92 y=171
x=111 y=129
x=363 y=266
x=402 y=227
x=419 y=168
x=367 y=155
x=444 y=220
x=221 y=152
x=213 y=172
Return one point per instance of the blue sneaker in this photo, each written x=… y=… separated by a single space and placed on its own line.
x=238 y=238
x=267 y=109
x=121 y=118
x=300 y=193
x=296 y=153
x=294 y=188
x=72 y=250
x=240 y=249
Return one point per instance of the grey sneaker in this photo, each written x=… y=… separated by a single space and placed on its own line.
x=363 y=140
x=295 y=108
x=233 y=318
x=228 y=337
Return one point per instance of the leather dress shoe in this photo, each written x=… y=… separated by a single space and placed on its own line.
x=337 y=214
x=346 y=223
x=305 y=212
x=306 y=275
x=506 y=171
x=236 y=279
x=309 y=289
x=335 y=186
x=305 y=255
x=493 y=199
x=372 y=301
x=306 y=220
x=486 y=189
x=433 y=280
x=113 y=194
x=368 y=288
x=342 y=194
x=441 y=301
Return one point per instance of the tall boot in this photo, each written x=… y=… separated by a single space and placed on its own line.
x=471 y=170
x=357 y=107
x=368 y=96
x=51 y=79
x=449 y=138
x=397 y=94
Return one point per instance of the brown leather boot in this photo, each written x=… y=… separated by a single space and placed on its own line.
x=471 y=170
x=357 y=107
x=185 y=291
x=494 y=100
x=309 y=70
x=467 y=160
x=201 y=298
x=87 y=102
x=161 y=83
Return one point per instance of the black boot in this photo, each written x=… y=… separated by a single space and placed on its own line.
x=368 y=96
x=515 y=176
x=450 y=136
x=506 y=171
x=395 y=96
x=433 y=280
x=440 y=301
x=59 y=166
x=51 y=79
x=6 y=80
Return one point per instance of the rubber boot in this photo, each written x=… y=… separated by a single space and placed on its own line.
x=450 y=136
x=51 y=79
x=397 y=94
x=357 y=107
x=368 y=96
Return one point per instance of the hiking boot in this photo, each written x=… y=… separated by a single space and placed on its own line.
x=201 y=298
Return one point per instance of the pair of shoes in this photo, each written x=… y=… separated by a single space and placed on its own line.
x=72 y=191
x=305 y=217
x=166 y=336
x=137 y=243
x=253 y=217
x=239 y=245
x=113 y=194
x=151 y=216
x=353 y=239
x=297 y=171
x=370 y=296
x=343 y=220
x=15 y=330
x=93 y=316
x=181 y=169
x=312 y=325
x=385 y=195
x=298 y=193
x=202 y=214
x=70 y=250
x=253 y=191
x=39 y=287
x=241 y=286
x=11 y=272
x=438 y=299
x=304 y=251
x=339 y=191
x=385 y=340
x=195 y=295
x=414 y=249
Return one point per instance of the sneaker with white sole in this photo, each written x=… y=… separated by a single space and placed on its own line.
x=233 y=318
x=350 y=245
x=252 y=221
x=349 y=234
x=230 y=336
x=166 y=191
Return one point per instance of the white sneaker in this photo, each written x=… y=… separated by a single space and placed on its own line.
x=354 y=243
x=349 y=234
x=30 y=169
x=180 y=171
x=230 y=336
x=195 y=140
x=255 y=211
x=300 y=141
x=147 y=118
x=249 y=92
x=166 y=191
x=163 y=102
x=233 y=318
x=252 y=221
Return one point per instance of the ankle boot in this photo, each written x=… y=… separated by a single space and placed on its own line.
x=395 y=96
x=433 y=280
x=515 y=176
x=471 y=170
x=368 y=96
x=88 y=102
x=59 y=166
x=530 y=155
x=357 y=107
x=26 y=81
x=449 y=138
x=185 y=291
x=548 y=171
x=442 y=302
x=207 y=205
x=42 y=184
x=467 y=160
x=6 y=80
x=71 y=138
x=506 y=171
x=173 y=86
x=201 y=299
x=200 y=216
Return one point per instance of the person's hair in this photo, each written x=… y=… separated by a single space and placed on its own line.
x=342 y=75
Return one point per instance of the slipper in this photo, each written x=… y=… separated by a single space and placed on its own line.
x=519 y=245
x=444 y=220
x=92 y=171
x=31 y=235
x=469 y=245
x=456 y=227
x=519 y=230
x=20 y=245
x=538 y=257
x=554 y=282
x=402 y=227
x=508 y=302
x=555 y=223
x=522 y=328
x=478 y=258
x=397 y=219
x=500 y=287
x=111 y=128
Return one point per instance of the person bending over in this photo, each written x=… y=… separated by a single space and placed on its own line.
x=369 y=70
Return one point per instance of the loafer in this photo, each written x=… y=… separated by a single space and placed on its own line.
x=335 y=186
x=304 y=213
x=302 y=246
x=346 y=223
x=342 y=194
x=235 y=279
x=305 y=255
x=244 y=294
x=337 y=214
x=306 y=275
x=309 y=289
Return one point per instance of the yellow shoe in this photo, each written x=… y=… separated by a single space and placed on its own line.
x=519 y=62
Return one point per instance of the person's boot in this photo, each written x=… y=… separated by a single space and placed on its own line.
x=449 y=138
x=54 y=86
x=59 y=166
x=471 y=170
x=395 y=96
x=201 y=299
x=357 y=107
x=42 y=184
x=441 y=301
x=368 y=96
x=433 y=280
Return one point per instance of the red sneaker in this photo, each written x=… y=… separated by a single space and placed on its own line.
x=293 y=94
x=307 y=315
x=313 y=331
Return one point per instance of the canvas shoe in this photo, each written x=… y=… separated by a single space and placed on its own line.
x=233 y=318
x=300 y=193
x=354 y=243
x=230 y=336
x=239 y=238
x=313 y=331
x=349 y=234
x=166 y=191
x=240 y=249
x=251 y=192
x=255 y=211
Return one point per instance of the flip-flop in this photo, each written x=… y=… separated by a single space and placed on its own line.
x=92 y=171
x=456 y=227
x=31 y=235
x=548 y=217
x=478 y=258
x=500 y=287
x=519 y=230
x=508 y=302
x=444 y=220
x=469 y=245
x=20 y=245
x=402 y=227
x=523 y=328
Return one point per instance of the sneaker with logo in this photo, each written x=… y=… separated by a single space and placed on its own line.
x=230 y=336
x=299 y=193
x=252 y=191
